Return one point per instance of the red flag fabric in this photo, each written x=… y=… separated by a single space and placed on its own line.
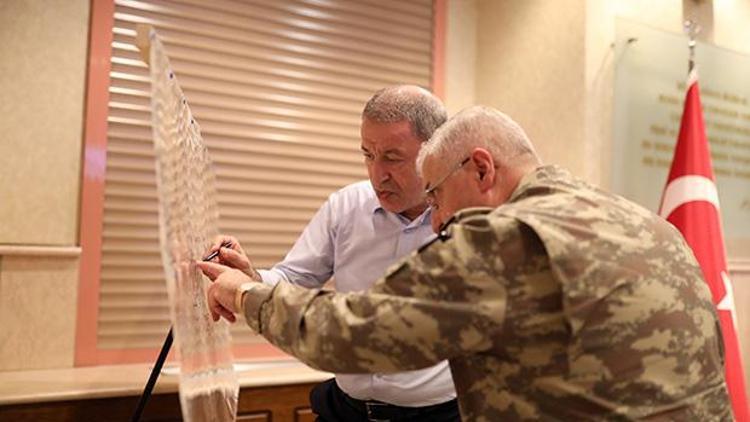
x=691 y=204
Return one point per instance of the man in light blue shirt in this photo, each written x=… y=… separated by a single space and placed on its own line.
x=355 y=236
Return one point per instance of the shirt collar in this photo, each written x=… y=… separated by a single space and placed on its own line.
x=422 y=220
x=375 y=207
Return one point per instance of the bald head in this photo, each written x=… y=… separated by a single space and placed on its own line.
x=480 y=127
x=476 y=158
x=411 y=103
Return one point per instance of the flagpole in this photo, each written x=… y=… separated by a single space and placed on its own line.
x=692 y=29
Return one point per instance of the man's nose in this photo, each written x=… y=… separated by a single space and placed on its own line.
x=381 y=173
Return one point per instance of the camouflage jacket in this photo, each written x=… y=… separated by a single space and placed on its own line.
x=564 y=303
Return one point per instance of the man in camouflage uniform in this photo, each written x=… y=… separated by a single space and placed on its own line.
x=554 y=301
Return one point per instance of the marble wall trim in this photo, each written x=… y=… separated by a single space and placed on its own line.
x=28 y=250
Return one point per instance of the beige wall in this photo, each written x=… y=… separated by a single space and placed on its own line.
x=43 y=67
x=731 y=29
x=598 y=67
x=550 y=65
x=460 y=55
x=43 y=45
x=528 y=65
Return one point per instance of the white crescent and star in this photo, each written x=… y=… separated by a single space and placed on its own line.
x=693 y=188
x=727 y=302
x=686 y=189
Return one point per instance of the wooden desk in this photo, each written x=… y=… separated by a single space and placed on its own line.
x=268 y=392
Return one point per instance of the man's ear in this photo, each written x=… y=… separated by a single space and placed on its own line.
x=485 y=168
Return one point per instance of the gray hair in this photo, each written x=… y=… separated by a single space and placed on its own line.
x=424 y=112
x=482 y=127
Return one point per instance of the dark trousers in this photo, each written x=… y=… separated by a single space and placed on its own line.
x=333 y=405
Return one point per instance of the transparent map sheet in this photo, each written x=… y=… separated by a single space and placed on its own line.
x=188 y=216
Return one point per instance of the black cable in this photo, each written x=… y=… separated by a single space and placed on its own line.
x=153 y=377
x=163 y=355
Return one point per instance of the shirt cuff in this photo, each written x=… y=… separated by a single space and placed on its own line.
x=270 y=277
x=252 y=301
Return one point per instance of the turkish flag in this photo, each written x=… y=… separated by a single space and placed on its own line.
x=691 y=204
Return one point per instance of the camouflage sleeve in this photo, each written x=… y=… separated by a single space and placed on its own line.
x=442 y=302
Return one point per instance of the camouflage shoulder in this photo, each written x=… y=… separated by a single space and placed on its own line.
x=468 y=214
x=465 y=216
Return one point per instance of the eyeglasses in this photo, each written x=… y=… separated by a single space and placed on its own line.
x=430 y=191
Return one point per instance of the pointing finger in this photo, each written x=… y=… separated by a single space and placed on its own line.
x=212 y=270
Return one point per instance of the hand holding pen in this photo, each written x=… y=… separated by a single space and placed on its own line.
x=228 y=267
x=214 y=254
x=226 y=250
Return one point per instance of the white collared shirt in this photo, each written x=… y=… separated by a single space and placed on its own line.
x=354 y=239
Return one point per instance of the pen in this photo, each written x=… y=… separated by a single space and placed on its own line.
x=215 y=253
